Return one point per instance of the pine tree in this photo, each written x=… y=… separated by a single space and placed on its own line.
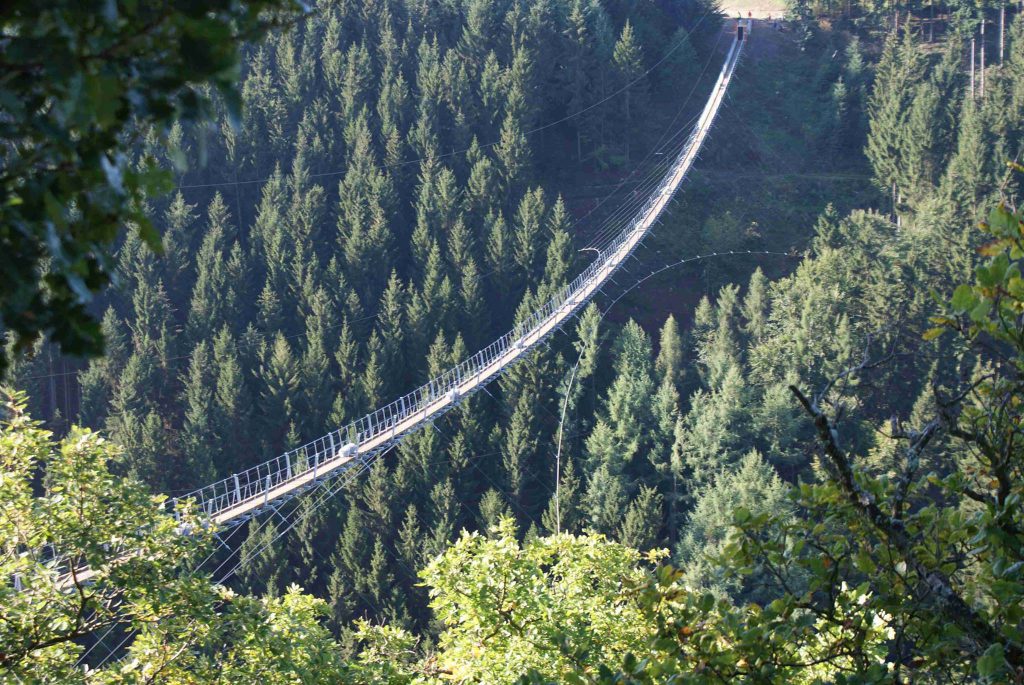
x=527 y=235
x=419 y=467
x=295 y=73
x=371 y=383
x=519 y=450
x=268 y=237
x=513 y=154
x=493 y=508
x=232 y=406
x=307 y=544
x=644 y=519
x=898 y=71
x=357 y=81
x=566 y=517
x=719 y=349
x=444 y=511
x=922 y=156
x=481 y=187
x=559 y=255
x=665 y=414
x=588 y=340
x=491 y=88
x=261 y=561
x=99 y=380
x=682 y=66
x=213 y=295
x=629 y=66
x=177 y=238
x=391 y=326
x=460 y=246
x=409 y=540
x=317 y=393
x=967 y=180
x=349 y=561
x=755 y=486
x=153 y=313
x=198 y=428
x=628 y=404
x=714 y=428
x=475 y=313
x=379 y=584
x=607 y=492
x=669 y=363
x=498 y=251
x=365 y=200
x=377 y=495
x=755 y=306
x=279 y=378
x=580 y=67
x=347 y=401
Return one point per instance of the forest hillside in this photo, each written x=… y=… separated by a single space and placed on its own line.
x=798 y=463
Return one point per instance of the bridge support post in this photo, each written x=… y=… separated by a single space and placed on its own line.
x=238 y=490
x=266 y=490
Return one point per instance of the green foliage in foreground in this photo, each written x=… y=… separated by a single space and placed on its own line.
x=187 y=630
x=581 y=609
x=79 y=77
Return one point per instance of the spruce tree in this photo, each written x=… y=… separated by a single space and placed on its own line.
x=279 y=380
x=567 y=516
x=527 y=235
x=445 y=515
x=409 y=541
x=641 y=528
x=899 y=70
x=579 y=72
x=628 y=404
x=755 y=306
x=513 y=153
x=519 y=451
x=198 y=428
x=629 y=67
x=608 y=488
x=212 y=293
x=669 y=363
x=493 y=508
x=261 y=559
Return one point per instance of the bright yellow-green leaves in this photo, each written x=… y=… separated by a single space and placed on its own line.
x=558 y=606
x=147 y=580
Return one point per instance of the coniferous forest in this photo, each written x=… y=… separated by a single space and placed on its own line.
x=781 y=446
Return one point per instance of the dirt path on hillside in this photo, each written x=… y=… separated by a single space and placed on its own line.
x=758 y=9
x=765 y=41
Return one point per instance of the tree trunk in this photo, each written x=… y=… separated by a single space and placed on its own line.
x=981 y=70
x=1002 y=31
x=972 y=67
x=931 y=24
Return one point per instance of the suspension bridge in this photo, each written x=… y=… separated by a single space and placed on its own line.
x=233 y=500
